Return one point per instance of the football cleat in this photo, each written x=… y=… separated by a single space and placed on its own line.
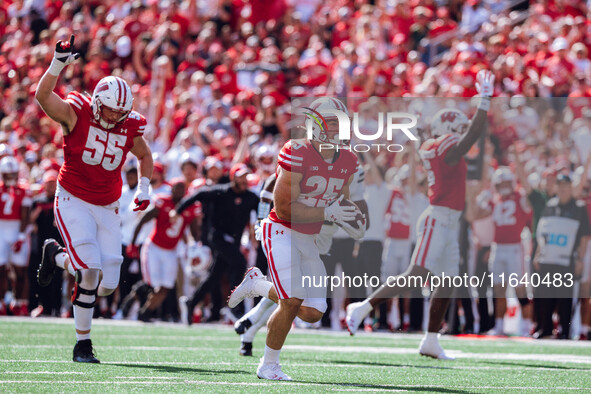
x=432 y=348
x=246 y=348
x=83 y=352
x=242 y=325
x=246 y=289
x=271 y=372
x=47 y=266
x=356 y=313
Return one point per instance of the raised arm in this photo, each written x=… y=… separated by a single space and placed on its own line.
x=53 y=105
x=485 y=86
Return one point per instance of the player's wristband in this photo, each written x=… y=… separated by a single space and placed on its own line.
x=264 y=209
x=56 y=67
x=484 y=104
x=21 y=237
x=266 y=194
x=144 y=185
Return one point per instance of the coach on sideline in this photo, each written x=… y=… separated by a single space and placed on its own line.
x=562 y=233
x=229 y=207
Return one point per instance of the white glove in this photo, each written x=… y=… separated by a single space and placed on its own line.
x=338 y=213
x=142 y=195
x=355 y=233
x=483 y=199
x=485 y=83
x=258 y=231
x=62 y=56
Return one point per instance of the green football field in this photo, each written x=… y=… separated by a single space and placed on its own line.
x=35 y=356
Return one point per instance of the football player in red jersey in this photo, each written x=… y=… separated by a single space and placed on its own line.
x=15 y=203
x=510 y=212
x=99 y=131
x=159 y=256
x=437 y=249
x=310 y=184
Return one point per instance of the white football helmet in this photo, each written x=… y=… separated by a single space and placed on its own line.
x=265 y=158
x=9 y=170
x=503 y=175
x=115 y=94
x=200 y=260
x=447 y=121
x=317 y=116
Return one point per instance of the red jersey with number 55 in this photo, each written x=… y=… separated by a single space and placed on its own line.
x=94 y=156
x=447 y=184
x=167 y=234
x=510 y=215
x=322 y=182
x=12 y=199
x=399 y=213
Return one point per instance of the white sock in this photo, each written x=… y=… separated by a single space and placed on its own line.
x=406 y=318
x=262 y=288
x=271 y=356
x=62 y=260
x=255 y=313
x=249 y=335
x=499 y=324
x=431 y=336
x=585 y=329
x=82 y=321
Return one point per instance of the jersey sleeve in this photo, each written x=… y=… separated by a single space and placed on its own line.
x=446 y=143
x=79 y=102
x=138 y=122
x=290 y=159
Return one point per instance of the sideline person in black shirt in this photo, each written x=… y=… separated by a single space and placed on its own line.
x=229 y=206
x=44 y=300
x=562 y=233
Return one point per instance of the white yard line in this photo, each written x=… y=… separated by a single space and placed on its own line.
x=42 y=372
x=292 y=364
x=373 y=387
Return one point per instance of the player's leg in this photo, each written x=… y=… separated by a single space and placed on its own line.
x=447 y=262
x=497 y=265
x=78 y=229
x=3 y=287
x=163 y=270
x=19 y=262
x=253 y=316
x=262 y=317
x=430 y=245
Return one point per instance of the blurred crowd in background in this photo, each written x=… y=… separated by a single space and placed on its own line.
x=215 y=80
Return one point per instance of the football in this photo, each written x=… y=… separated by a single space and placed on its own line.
x=358 y=217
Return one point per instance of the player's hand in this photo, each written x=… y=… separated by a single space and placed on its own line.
x=338 y=213
x=63 y=56
x=355 y=233
x=485 y=83
x=142 y=195
x=141 y=201
x=17 y=246
x=132 y=251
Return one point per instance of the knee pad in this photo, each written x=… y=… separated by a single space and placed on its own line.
x=85 y=287
x=111 y=269
x=523 y=301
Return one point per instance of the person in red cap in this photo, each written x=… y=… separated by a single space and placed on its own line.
x=229 y=206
